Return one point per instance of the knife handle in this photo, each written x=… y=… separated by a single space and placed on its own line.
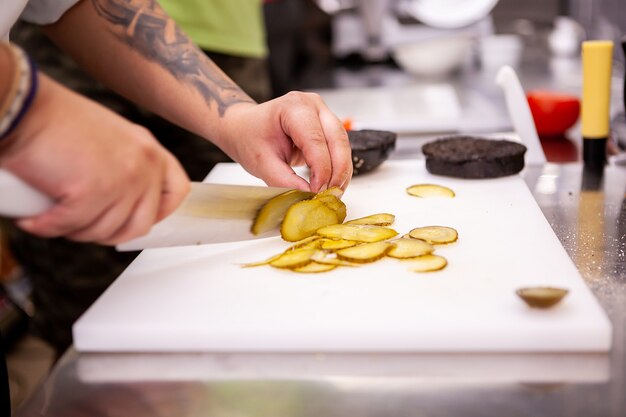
x=19 y=199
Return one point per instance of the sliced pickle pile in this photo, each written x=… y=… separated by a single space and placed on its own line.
x=352 y=244
x=300 y=213
x=322 y=242
x=430 y=190
x=541 y=297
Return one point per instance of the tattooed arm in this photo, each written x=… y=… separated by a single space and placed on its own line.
x=136 y=49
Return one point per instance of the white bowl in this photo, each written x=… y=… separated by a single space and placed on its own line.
x=450 y=14
x=436 y=57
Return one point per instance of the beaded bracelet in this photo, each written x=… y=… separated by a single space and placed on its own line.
x=21 y=93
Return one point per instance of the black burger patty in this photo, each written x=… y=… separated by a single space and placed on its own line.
x=472 y=157
x=370 y=148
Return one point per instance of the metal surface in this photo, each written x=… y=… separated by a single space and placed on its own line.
x=588 y=215
x=211 y=213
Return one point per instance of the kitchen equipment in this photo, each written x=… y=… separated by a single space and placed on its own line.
x=435 y=57
x=201 y=299
x=553 y=113
x=597 y=57
x=373 y=28
x=210 y=213
x=449 y=14
x=520 y=114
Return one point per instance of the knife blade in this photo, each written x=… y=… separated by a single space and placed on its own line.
x=210 y=213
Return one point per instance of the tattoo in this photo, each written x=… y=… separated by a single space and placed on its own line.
x=143 y=25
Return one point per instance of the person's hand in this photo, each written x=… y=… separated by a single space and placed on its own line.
x=295 y=129
x=110 y=179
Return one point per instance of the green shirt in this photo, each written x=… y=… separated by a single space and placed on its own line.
x=233 y=27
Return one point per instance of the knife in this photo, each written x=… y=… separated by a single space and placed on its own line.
x=210 y=213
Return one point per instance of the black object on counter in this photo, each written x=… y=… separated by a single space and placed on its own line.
x=594 y=153
x=473 y=157
x=370 y=148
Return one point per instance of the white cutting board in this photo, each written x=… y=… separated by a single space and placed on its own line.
x=198 y=298
x=402 y=109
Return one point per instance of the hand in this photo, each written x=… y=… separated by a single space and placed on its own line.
x=111 y=179
x=297 y=128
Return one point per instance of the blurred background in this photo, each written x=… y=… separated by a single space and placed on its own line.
x=331 y=34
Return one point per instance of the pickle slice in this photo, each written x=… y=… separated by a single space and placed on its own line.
x=334 y=191
x=430 y=190
x=367 y=252
x=428 y=263
x=357 y=232
x=331 y=258
x=273 y=212
x=334 y=203
x=409 y=248
x=380 y=219
x=314 y=268
x=261 y=263
x=435 y=234
x=541 y=297
x=311 y=242
x=304 y=218
x=293 y=259
x=336 y=244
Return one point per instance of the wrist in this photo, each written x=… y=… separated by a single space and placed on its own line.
x=19 y=89
x=228 y=130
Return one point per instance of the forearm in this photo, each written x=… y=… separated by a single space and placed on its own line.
x=136 y=49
